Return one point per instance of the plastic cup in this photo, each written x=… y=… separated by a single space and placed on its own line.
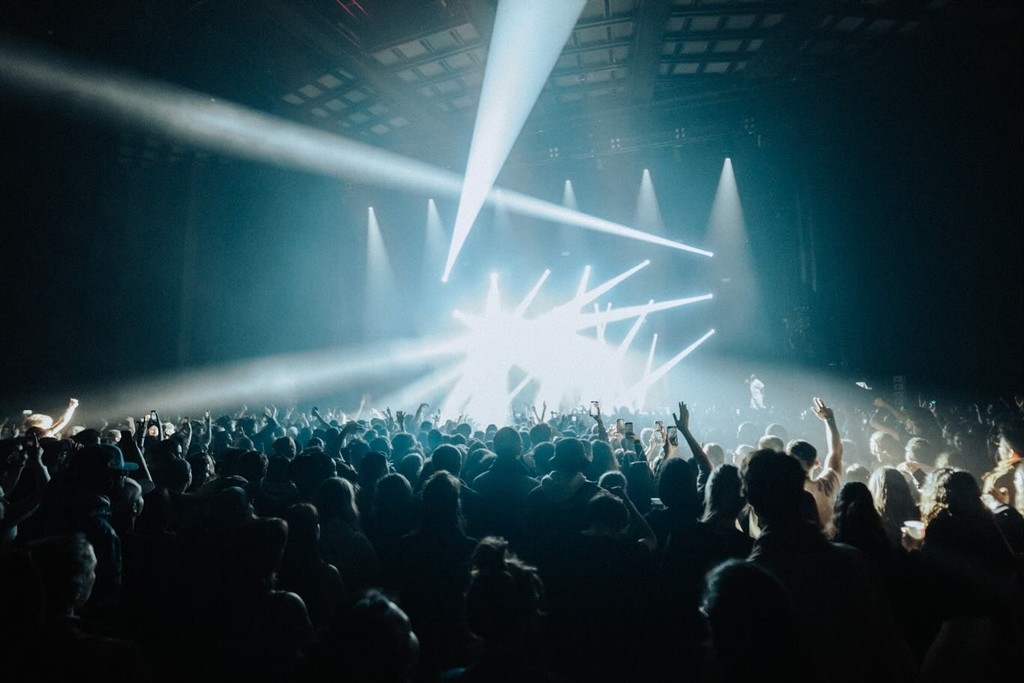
x=914 y=529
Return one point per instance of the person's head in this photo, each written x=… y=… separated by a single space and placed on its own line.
x=303 y=527
x=284 y=446
x=921 y=422
x=893 y=494
x=754 y=626
x=336 y=499
x=774 y=485
x=773 y=442
x=67 y=568
x=372 y=640
x=570 y=455
x=606 y=515
x=439 y=500
x=955 y=491
x=174 y=474
x=857 y=472
x=98 y=468
x=677 y=486
x=602 y=459
x=202 y=469
x=410 y=466
x=856 y=520
x=641 y=486
x=740 y=453
x=504 y=594
x=372 y=467
x=804 y=452
x=715 y=453
x=392 y=495
x=126 y=504
x=543 y=454
x=884 y=448
x=613 y=479
x=920 y=450
x=723 y=495
x=1010 y=445
x=382 y=444
x=777 y=430
x=403 y=443
x=448 y=458
x=252 y=465
x=507 y=443
x=748 y=432
x=540 y=433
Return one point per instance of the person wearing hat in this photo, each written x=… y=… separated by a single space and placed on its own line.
x=556 y=508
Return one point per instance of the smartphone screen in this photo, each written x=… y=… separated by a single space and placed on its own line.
x=629 y=429
x=595 y=409
x=620 y=426
x=659 y=425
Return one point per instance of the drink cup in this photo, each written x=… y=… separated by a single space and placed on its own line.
x=914 y=529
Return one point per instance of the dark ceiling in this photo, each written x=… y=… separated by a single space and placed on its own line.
x=406 y=74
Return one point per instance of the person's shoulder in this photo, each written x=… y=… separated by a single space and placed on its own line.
x=828 y=480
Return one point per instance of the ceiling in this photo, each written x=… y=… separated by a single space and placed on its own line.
x=405 y=75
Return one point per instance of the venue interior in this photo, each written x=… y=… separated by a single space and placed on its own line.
x=480 y=204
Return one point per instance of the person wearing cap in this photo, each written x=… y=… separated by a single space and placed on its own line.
x=78 y=499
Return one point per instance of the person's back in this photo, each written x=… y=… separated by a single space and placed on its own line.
x=67 y=646
x=342 y=540
x=303 y=570
x=431 y=573
x=840 y=606
x=602 y=599
x=504 y=489
x=556 y=508
x=503 y=603
x=753 y=625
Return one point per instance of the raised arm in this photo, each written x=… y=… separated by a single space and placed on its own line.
x=65 y=419
x=834 y=461
x=896 y=412
x=682 y=419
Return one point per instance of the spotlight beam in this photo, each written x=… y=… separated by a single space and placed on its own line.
x=538 y=208
x=634 y=328
x=199 y=120
x=582 y=299
x=664 y=368
x=513 y=80
x=650 y=357
x=626 y=312
x=528 y=299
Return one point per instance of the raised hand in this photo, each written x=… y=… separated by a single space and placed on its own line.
x=821 y=410
x=682 y=419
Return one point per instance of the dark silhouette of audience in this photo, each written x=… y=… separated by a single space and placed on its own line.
x=284 y=546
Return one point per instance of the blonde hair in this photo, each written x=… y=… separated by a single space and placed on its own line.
x=38 y=420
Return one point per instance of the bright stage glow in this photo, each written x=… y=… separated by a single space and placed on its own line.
x=505 y=352
x=527 y=38
x=503 y=359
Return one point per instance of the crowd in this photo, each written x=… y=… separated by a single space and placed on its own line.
x=846 y=542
